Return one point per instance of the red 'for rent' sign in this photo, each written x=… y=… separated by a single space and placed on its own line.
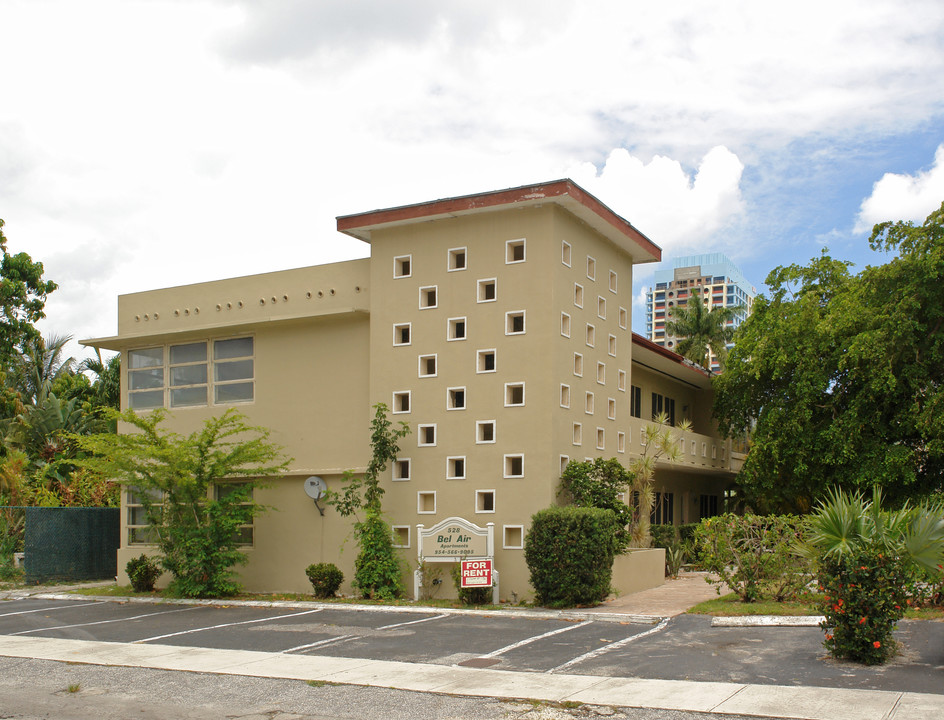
x=476 y=573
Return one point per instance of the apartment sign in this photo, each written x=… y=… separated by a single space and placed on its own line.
x=453 y=540
x=476 y=573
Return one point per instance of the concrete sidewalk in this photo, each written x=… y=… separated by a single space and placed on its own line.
x=704 y=697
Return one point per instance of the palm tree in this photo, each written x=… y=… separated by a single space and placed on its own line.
x=700 y=330
x=107 y=384
x=40 y=363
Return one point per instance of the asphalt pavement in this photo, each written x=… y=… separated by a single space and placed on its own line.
x=602 y=661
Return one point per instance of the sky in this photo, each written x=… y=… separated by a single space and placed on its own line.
x=153 y=143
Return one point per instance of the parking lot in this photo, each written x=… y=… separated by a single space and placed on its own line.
x=683 y=648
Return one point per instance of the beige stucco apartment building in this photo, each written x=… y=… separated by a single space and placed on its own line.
x=496 y=325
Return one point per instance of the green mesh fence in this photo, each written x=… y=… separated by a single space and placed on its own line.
x=71 y=543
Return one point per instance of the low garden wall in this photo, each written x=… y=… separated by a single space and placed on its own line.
x=638 y=570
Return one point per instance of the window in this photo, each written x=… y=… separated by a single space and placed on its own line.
x=611 y=408
x=621 y=442
x=565 y=253
x=401 y=469
x=188 y=375
x=611 y=345
x=514 y=466
x=601 y=438
x=565 y=324
x=456 y=329
x=621 y=380
x=455 y=468
x=565 y=396
x=455 y=398
x=601 y=373
x=484 y=501
x=146 y=378
x=591 y=335
x=613 y=281
x=427 y=366
x=601 y=308
x=402 y=333
x=401 y=402
x=140 y=531
x=662 y=404
x=485 y=361
x=400 y=536
x=662 y=509
x=486 y=291
x=514 y=394
x=428 y=297
x=513 y=537
x=484 y=431
x=578 y=295
x=403 y=266
x=240 y=493
x=233 y=370
x=588 y=404
x=456 y=259
x=578 y=364
x=514 y=251
x=622 y=318
x=514 y=322
x=707 y=506
x=426 y=502
x=564 y=461
x=591 y=268
x=578 y=434
x=635 y=401
x=426 y=435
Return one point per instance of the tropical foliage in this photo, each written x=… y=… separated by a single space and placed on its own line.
x=699 y=330
x=196 y=490
x=840 y=377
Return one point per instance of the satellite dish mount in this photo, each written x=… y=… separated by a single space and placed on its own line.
x=315 y=488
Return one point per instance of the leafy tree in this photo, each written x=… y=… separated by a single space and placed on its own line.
x=41 y=363
x=106 y=388
x=22 y=298
x=840 y=377
x=196 y=490
x=377 y=568
x=603 y=484
x=700 y=330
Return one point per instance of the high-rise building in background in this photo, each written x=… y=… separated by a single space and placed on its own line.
x=719 y=281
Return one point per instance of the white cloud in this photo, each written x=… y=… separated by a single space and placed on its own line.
x=904 y=197
x=675 y=209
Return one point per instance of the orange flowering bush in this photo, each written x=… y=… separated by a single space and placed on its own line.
x=863 y=597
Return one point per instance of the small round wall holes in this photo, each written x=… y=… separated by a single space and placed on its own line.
x=357 y=288
x=176 y=313
x=285 y=298
x=262 y=301
x=308 y=294
x=186 y=311
x=218 y=307
x=239 y=304
x=196 y=311
x=229 y=306
x=146 y=316
x=137 y=318
x=321 y=293
x=331 y=291
x=156 y=316
x=274 y=300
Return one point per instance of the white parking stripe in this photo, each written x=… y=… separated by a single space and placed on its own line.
x=320 y=643
x=528 y=641
x=217 y=627
x=412 y=622
x=611 y=646
x=100 y=622
x=57 y=607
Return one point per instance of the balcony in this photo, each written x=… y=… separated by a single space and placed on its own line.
x=698 y=453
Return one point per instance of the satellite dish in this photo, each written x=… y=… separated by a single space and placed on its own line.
x=315 y=487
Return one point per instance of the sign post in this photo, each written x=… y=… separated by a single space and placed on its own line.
x=457 y=540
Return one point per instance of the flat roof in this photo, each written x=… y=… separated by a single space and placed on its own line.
x=564 y=193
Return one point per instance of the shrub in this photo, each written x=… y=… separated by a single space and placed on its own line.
x=143 y=572
x=569 y=551
x=325 y=579
x=754 y=555
x=864 y=596
x=377 y=571
x=470 y=596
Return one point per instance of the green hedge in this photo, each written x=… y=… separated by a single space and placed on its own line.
x=569 y=551
x=666 y=536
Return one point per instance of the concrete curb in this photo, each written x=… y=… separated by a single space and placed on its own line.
x=769 y=621
x=575 y=615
